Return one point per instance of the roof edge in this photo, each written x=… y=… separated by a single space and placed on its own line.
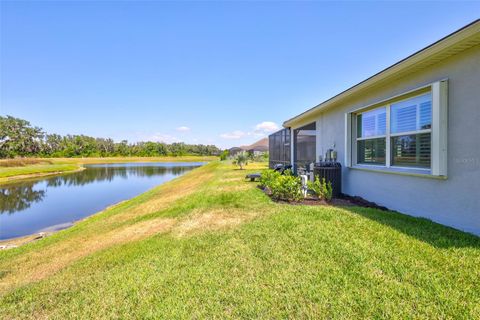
x=422 y=54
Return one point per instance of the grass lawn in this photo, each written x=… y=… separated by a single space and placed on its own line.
x=210 y=245
x=42 y=168
x=14 y=169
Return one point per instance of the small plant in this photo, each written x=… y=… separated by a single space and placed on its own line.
x=327 y=190
x=241 y=159
x=315 y=186
x=321 y=189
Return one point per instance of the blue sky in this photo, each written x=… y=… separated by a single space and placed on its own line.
x=223 y=73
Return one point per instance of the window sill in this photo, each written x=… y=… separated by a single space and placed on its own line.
x=414 y=172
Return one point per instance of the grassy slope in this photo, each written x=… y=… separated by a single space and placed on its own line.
x=6 y=172
x=62 y=165
x=209 y=245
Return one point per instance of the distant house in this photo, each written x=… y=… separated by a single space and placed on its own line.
x=257 y=148
x=408 y=137
x=233 y=151
x=257 y=152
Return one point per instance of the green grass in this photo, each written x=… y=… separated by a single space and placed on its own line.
x=219 y=248
x=6 y=172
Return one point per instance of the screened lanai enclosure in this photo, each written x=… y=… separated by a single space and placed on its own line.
x=304 y=146
x=279 y=148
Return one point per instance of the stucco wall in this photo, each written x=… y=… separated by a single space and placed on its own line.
x=455 y=201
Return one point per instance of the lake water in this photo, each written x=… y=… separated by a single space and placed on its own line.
x=53 y=203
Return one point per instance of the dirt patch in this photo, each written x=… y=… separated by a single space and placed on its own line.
x=167 y=194
x=232 y=187
x=209 y=221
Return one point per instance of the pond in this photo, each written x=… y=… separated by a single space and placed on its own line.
x=53 y=203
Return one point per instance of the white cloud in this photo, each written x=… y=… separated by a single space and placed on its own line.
x=237 y=134
x=183 y=129
x=260 y=130
x=266 y=127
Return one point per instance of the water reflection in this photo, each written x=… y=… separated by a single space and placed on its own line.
x=108 y=173
x=19 y=197
x=28 y=207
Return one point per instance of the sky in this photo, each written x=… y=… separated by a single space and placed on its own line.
x=220 y=72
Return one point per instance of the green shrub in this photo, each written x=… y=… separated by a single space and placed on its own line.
x=268 y=178
x=287 y=187
x=282 y=187
x=321 y=189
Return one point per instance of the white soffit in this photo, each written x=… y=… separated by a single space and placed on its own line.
x=465 y=38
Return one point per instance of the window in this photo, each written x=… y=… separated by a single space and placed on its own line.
x=413 y=114
x=411 y=123
x=409 y=134
x=372 y=123
x=412 y=150
x=406 y=132
x=371 y=151
x=371 y=134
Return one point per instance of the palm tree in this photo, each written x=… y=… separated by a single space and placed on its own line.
x=241 y=159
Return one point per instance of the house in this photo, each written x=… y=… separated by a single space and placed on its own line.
x=234 y=151
x=408 y=137
x=258 y=148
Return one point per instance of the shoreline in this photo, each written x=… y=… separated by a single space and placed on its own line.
x=30 y=176
x=16 y=242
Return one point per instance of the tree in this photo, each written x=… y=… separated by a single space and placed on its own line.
x=52 y=145
x=122 y=148
x=19 y=138
x=241 y=159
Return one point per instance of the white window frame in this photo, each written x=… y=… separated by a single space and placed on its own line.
x=384 y=136
x=438 y=133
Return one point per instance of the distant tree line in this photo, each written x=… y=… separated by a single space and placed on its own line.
x=18 y=138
